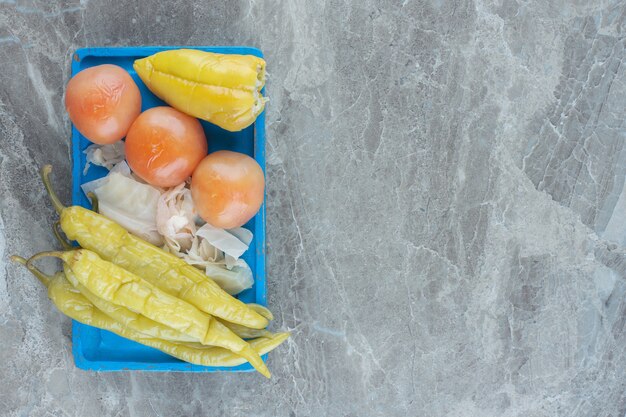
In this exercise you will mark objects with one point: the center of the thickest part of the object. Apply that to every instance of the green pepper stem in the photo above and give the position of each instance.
(94, 200)
(43, 278)
(47, 254)
(57, 233)
(45, 176)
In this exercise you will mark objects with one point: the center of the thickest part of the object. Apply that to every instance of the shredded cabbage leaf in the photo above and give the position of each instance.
(217, 251)
(223, 240)
(203, 255)
(233, 280)
(104, 155)
(175, 218)
(128, 202)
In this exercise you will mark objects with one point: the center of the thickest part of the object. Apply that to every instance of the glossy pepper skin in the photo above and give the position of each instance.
(262, 310)
(222, 89)
(128, 318)
(75, 305)
(149, 327)
(246, 332)
(169, 273)
(119, 286)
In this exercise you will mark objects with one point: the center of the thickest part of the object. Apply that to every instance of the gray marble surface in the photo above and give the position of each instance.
(446, 212)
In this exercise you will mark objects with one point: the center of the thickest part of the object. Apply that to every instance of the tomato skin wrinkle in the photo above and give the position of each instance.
(156, 150)
(95, 103)
(163, 146)
(102, 102)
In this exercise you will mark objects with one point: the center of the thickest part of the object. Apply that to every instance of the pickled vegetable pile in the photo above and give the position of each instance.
(159, 259)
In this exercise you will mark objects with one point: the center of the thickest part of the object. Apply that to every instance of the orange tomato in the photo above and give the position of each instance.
(103, 102)
(227, 189)
(164, 146)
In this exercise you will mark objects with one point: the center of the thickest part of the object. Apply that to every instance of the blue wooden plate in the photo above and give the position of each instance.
(100, 350)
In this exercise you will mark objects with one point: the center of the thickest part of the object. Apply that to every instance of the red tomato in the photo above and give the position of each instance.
(103, 102)
(227, 189)
(164, 146)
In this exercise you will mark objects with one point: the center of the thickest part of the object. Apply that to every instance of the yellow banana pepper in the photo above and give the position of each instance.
(223, 89)
(76, 306)
(119, 286)
(137, 322)
(127, 317)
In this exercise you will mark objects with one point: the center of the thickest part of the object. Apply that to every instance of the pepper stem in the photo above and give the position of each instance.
(53, 253)
(43, 278)
(45, 176)
(57, 233)
(94, 200)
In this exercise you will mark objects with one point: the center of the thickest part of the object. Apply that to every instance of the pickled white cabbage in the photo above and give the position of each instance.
(216, 252)
(209, 258)
(104, 155)
(128, 202)
(175, 218)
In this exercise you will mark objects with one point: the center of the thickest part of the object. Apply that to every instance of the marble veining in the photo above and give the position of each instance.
(446, 206)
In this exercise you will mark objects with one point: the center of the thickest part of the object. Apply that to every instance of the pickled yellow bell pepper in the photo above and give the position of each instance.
(76, 306)
(222, 89)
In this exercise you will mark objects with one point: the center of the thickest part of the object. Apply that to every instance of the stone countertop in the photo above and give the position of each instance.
(446, 209)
